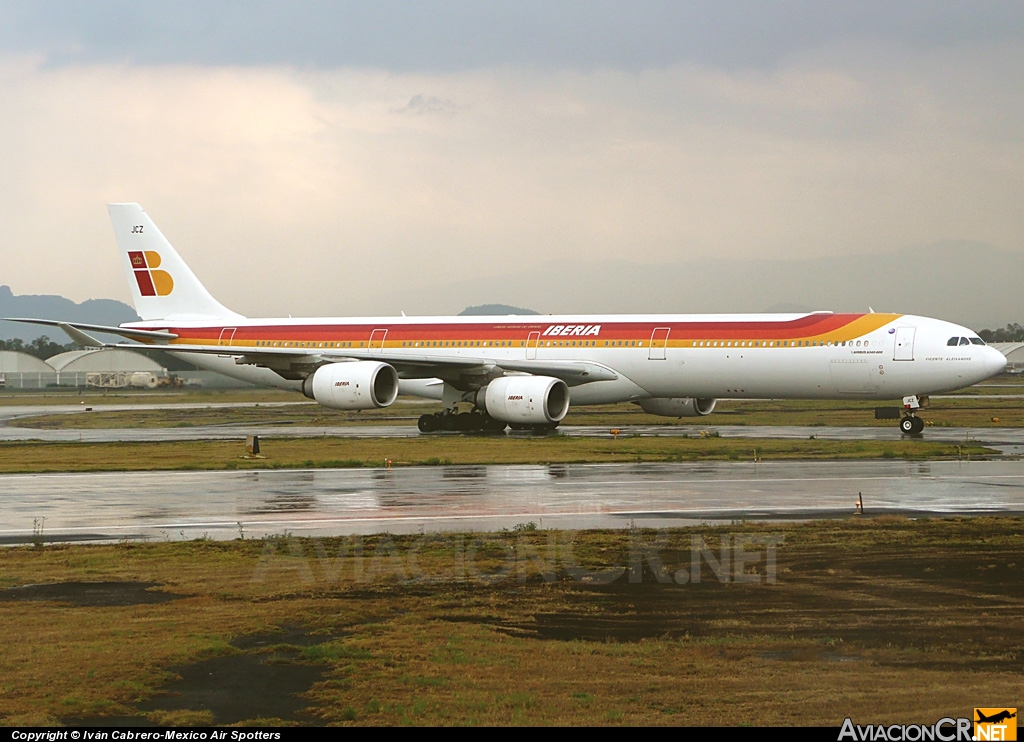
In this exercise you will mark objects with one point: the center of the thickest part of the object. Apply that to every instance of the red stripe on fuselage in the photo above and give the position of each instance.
(801, 327)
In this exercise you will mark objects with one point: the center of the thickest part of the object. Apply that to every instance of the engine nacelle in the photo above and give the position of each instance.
(532, 400)
(678, 406)
(355, 385)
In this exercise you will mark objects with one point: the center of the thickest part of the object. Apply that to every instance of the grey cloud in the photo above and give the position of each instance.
(422, 105)
(471, 34)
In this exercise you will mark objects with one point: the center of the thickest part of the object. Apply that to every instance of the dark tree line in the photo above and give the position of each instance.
(42, 347)
(1012, 333)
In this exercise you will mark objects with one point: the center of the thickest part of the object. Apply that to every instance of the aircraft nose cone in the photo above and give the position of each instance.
(995, 362)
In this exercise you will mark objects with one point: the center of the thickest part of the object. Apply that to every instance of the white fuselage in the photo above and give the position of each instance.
(796, 356)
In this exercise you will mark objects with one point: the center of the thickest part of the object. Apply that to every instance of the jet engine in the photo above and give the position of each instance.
(677, 406)
(530, 400)
(354, 385)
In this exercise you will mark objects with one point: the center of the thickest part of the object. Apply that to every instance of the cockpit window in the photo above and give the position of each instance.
(953, 341)
(977, 341)
(964, 341)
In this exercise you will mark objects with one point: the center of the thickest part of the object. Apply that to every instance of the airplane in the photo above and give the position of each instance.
(524, 371)
(995, 718)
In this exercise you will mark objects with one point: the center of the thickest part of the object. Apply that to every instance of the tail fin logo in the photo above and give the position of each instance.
(152, 282)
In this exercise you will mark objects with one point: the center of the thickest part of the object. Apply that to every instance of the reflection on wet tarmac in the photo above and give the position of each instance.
(174, 505)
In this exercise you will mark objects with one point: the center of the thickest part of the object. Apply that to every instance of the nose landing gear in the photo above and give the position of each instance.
(910, 423)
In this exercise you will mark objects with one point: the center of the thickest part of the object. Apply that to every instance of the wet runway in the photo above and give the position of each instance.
(224, 505)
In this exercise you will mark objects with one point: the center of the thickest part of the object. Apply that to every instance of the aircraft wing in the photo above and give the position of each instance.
(420, 366)
(77, 331)
(295, 363)
(572, 373)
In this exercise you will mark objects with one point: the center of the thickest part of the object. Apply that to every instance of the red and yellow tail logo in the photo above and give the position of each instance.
(995, 724)
(151, 281)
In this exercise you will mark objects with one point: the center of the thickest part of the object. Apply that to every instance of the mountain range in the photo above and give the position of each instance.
(47, 306)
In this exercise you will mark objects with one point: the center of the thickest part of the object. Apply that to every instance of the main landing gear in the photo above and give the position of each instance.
(465, 422)
(476, 421)
(473, 422)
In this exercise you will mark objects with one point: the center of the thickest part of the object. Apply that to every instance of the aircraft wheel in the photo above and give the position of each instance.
(427, 423)
(908, 425)
(918, 425)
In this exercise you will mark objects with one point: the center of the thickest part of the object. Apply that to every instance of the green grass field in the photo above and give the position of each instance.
(882, 620)
(452, 449)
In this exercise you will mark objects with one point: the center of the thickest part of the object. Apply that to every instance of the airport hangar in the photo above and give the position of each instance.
(109, 368)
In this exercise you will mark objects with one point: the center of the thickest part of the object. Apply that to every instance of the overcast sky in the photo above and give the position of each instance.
(362, 158)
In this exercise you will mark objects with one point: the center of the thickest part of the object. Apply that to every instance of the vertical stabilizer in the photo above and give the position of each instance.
(162, 286)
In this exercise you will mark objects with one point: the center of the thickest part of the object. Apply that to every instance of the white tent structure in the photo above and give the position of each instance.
(110, 368)
(24, 371)
(1014, 353)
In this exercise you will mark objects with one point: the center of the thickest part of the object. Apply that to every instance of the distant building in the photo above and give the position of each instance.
(1014, 353)
(22, 371)
(108, 368)
(99, 367)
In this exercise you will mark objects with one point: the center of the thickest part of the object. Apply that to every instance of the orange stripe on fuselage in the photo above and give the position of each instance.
(815, 327)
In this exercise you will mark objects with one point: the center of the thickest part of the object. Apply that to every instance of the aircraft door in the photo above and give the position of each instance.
(226, 336)
(659, 341)
(904, 348)
(532, 341)
(377, 339)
